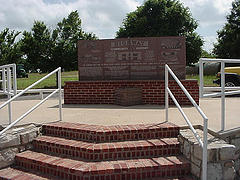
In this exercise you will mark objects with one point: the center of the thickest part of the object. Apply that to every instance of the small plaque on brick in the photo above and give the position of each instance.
(128, 96)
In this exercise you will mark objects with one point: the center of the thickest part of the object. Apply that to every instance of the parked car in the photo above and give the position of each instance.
(232, 77)
(21, 73)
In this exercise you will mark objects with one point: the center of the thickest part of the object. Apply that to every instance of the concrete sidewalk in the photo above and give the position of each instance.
(116, 115)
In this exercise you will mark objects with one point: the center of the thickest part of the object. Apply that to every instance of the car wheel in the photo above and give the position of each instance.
(229, 84)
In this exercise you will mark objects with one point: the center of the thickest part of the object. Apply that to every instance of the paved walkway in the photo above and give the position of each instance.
(115, 115)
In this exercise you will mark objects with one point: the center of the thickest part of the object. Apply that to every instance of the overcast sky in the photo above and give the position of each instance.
(103, 17)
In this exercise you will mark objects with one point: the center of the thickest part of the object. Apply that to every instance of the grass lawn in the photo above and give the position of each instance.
(208, 80)
(50, 82)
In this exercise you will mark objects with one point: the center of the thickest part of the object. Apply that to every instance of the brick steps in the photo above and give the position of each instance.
(107, 151)
(98, 134)
(16, 174)
(90, 152)
(65, 168)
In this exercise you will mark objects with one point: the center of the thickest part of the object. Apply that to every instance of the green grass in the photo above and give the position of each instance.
(73, 76)
(50, 82)
(208, 80)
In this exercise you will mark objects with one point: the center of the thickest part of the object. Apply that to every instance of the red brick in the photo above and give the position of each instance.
(81, 93)
(130, 167)
(93, 133)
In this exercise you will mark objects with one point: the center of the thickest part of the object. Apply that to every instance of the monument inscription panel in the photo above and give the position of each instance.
(131, 58)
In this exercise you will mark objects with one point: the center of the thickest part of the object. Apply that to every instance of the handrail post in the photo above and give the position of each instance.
(222, 96)
(60, 93)
(41, 95)
(4, 80)
(166, 93)
(201, 78)
(14, 79)
(205, 144)
(9, 83)
(9, 87)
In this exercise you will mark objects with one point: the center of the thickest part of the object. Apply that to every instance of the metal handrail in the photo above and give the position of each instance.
(7, 65)
(219, 88)
(205, 126)
(220, 60)
(42, 101)
(40, 91)
(7, 84)
(223, 88)
(7, 89)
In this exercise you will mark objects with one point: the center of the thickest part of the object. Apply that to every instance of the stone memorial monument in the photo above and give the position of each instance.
(131, 58)
(128, 71)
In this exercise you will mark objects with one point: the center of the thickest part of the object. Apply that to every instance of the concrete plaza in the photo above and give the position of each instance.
(117, 115)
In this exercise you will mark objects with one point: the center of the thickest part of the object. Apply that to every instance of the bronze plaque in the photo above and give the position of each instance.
(131, 58)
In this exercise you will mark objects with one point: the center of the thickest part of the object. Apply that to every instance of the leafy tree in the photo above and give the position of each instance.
(9, 50)
(164, 18)
(206, 54)
(65, 36)
(37, 45)
(47, 50)
(228, 40)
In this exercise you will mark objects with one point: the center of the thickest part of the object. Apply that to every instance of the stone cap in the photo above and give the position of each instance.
(218, 149)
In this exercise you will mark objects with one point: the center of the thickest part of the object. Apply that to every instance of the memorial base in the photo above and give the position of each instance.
(104, 92)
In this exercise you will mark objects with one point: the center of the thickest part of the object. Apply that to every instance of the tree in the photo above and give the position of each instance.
(9, 50)
(65, 36)
(36, 46)
(46, 50)
(228, 40)
(164, 18)
(206, 54)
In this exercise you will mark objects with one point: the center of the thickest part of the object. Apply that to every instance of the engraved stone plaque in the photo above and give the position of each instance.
(131, 58)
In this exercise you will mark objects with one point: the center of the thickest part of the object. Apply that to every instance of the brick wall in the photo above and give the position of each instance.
(103, 92)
